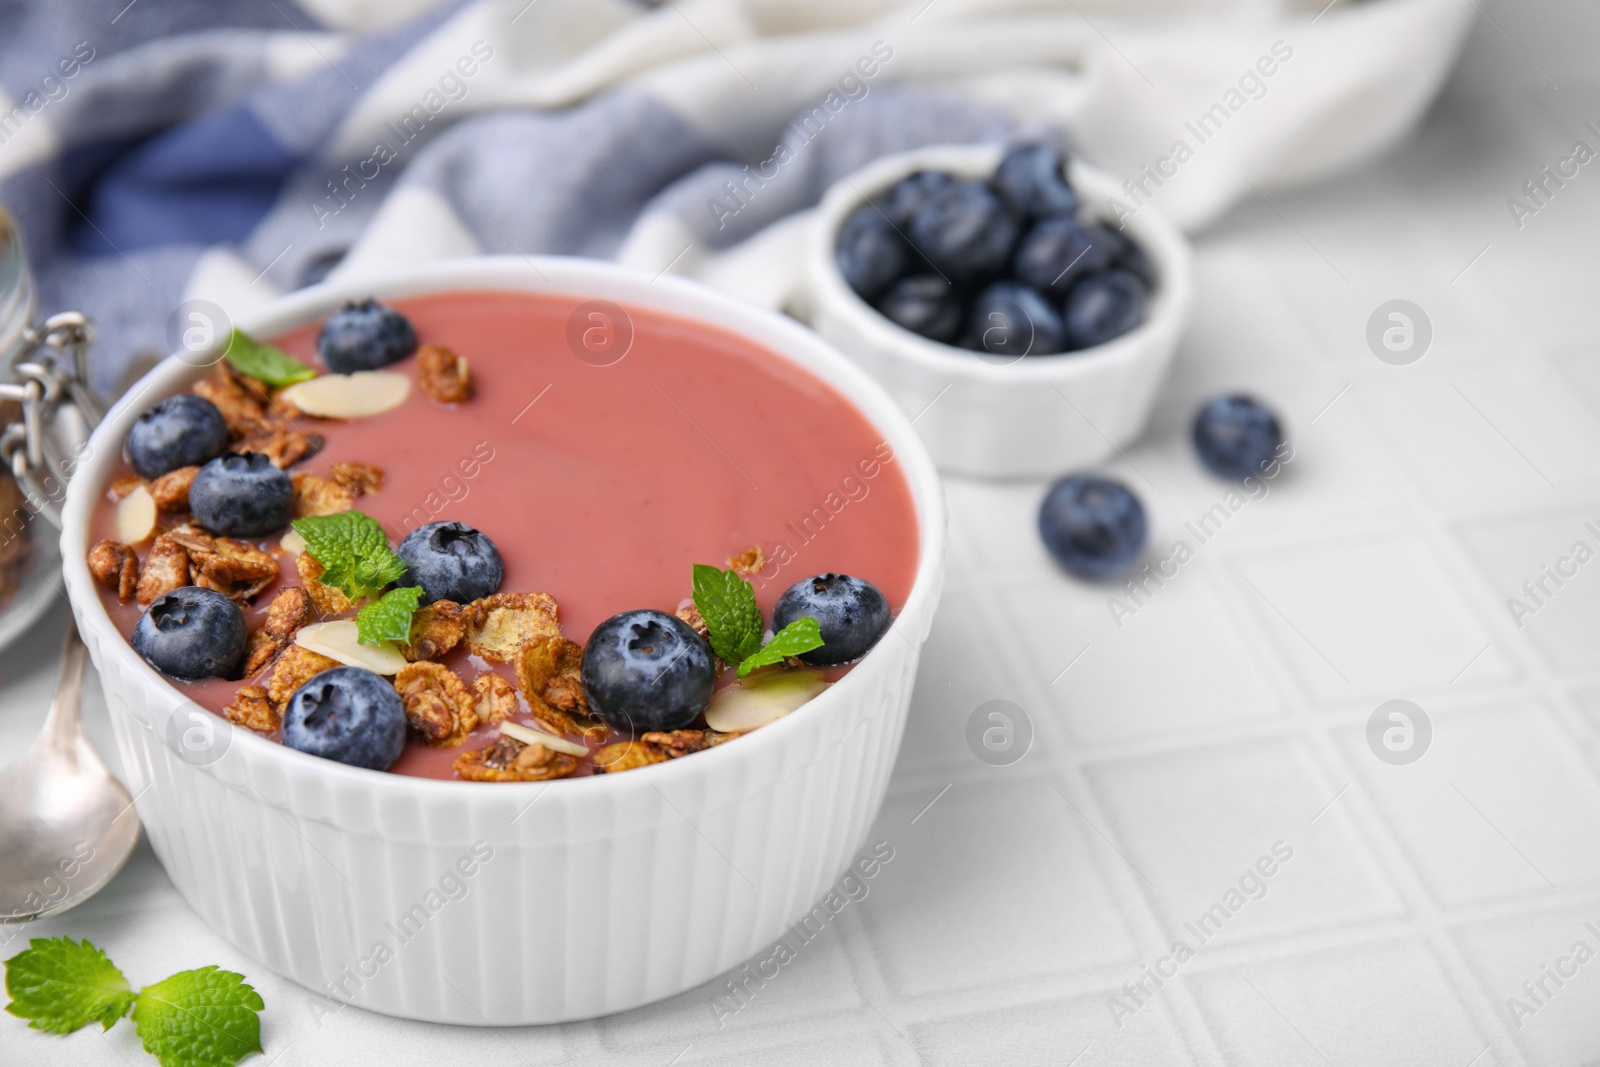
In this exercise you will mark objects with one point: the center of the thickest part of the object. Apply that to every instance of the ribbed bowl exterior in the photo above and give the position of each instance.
(1036, 416)
(515, 903)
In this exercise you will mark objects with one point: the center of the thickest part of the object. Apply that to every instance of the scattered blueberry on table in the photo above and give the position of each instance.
(365, 336)
(181, 431)
(450, 561)
(851, 614)
(647, 670)
(192, 633)
(1093, 527)
(1236, 436)
(241, 494)
(349, 715)
(1012, 265)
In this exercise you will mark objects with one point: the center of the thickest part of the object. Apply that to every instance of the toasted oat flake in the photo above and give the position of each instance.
(435, 629)
(295, 667)
(628, 756)
(361, 477)
(166, 567)
(443, 375)
(327, 599)
(252, 708)
(289, 610)
(493, 698)
(497, 626)
(549, 675)
(439, 708)
(115, 566)
(747, 563)
(235, 568)
(171, 490)
(316, 495)
(509, 760)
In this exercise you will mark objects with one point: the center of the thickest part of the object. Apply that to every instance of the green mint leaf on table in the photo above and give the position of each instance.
(269, 364)
(727, 603)
(59, 985)
(389, 617)
(354, 552)
(201, 1018)
(799, 636)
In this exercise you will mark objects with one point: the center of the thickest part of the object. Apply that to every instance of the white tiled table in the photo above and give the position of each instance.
(1225, 715)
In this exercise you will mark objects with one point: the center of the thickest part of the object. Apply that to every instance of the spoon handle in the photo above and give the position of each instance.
(62, 727)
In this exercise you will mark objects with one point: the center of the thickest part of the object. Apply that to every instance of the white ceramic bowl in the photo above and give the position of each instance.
(1036, 416)
(585, 896)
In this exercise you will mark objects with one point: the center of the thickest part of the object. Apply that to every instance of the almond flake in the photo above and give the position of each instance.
(349, 396)
(529, 736)
(339, 640)
(136, 516)
(761, 698)
(292, 543)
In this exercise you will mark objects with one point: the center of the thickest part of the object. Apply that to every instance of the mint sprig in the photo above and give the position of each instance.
(354, 553)
(799, 636)
(201, 1018)
(727, 603)
(389, 617)
(271, 365)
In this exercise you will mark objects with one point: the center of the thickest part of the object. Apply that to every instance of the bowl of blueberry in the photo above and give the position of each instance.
(998, 296)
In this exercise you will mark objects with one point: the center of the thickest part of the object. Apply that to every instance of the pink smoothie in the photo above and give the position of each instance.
(601, 485)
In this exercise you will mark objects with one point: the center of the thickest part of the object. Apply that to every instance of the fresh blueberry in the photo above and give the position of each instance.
(870, 252)
(1130, 257)
(964, 230)
(905, 197)
(1103, 306)
(1012, 319)
(1058, 251)
(1092, 526)
(1236, 436)
(451, 562)
(1032, 179)
(181, 431)
(647, 670)
(347, 714)
(925, 304)
(365, 336)
(192, 633)
(851, 613)
(241, 494)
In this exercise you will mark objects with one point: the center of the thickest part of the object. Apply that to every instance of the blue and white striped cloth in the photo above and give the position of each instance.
(155, 151)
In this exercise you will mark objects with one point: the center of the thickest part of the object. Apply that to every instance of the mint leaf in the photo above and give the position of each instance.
(354, 552)
(799, 636)
(728, 605)
(269, 364)
(59, 985)
(201, 1018)
(389, 617)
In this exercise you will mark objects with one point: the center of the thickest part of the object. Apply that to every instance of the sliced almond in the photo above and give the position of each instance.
(349, 396)
(292, 543)
(529, 736)
(339, 640)
(136, 516)
(763, 697)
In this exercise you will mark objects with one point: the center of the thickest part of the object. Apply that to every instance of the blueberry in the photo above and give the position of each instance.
(964, 230)
(870, 252)
(1058, 251)
(647, 670)
(925, 304)
(1032, 179)
(1012, 319)
(347, 714)
(241, 494)
(851, 613)
(1236, 436)
(1092, 526)
(192, 633)
(451, 562)
(181, 431)
(905, 197)
(1130, 257)
(1102, 307)
(365, 336)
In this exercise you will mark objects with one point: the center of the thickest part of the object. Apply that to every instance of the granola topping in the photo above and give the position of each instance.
(443, 375)
(439, 707)
(497, 626)
(509, 760)
(115, 566)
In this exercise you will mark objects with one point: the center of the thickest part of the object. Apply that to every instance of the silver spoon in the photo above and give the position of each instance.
(66, 825)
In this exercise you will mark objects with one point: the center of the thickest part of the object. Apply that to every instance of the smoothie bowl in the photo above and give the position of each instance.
(506, 641)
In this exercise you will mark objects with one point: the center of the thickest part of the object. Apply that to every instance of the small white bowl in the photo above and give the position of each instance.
(1037, 416)
(511, 903)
